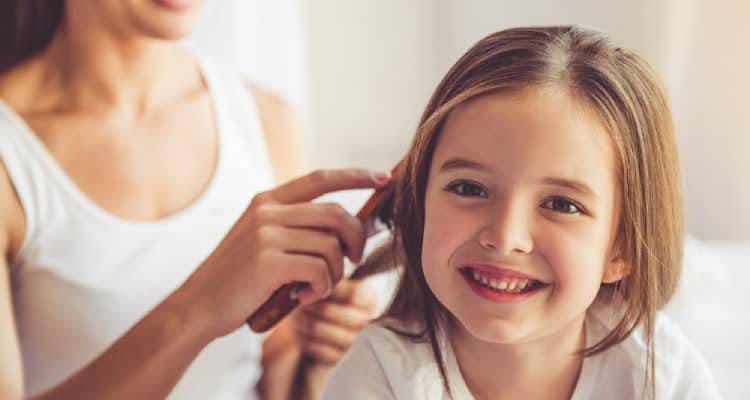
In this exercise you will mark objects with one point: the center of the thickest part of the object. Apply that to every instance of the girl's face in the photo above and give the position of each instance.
(520, 215)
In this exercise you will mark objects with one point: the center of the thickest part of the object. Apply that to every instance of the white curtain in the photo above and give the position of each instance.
(262, 39)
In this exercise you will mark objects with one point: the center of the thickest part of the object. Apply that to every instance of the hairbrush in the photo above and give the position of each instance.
(374, 215)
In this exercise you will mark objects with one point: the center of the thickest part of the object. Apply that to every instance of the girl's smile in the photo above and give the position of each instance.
(499, 284)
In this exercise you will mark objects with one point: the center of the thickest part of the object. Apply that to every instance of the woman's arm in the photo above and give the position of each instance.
(284, 135)
(11, 371)
(250, 263)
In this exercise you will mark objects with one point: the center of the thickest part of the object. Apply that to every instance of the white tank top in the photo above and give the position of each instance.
(84, 276)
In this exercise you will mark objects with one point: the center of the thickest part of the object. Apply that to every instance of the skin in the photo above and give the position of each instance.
(127, 116)
(496, 207)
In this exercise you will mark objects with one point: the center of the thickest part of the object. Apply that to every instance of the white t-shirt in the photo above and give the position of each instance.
(384, 365)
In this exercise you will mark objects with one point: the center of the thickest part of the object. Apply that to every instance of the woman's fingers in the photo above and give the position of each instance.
(318, 183)
(313, 270)
(324, 341)
(351, 304)
(323, 353)
(314, 243)
(347, 316)
(356, 293)
(325, 332)
(321, 216)
(276, 241)
(326, 329)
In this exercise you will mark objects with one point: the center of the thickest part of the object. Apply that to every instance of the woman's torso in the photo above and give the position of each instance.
(91, 264)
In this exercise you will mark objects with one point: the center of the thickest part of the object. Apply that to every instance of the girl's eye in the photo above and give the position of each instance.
(467, 189)
(562, 206)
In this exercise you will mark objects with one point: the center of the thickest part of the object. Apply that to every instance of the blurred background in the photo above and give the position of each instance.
(360, 72)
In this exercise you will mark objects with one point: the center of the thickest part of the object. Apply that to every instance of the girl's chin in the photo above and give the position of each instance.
(494, 332)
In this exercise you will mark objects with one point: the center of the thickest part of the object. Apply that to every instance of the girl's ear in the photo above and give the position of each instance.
(616, 269)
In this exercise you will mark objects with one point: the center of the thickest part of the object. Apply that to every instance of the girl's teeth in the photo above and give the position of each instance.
(511, 285)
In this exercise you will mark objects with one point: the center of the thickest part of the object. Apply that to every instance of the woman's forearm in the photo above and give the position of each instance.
(145, 363)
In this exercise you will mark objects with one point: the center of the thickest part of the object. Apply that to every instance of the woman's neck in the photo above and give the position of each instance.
(87, 67)
(547, 368)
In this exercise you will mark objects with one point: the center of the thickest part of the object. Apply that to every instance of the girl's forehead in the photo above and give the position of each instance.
(535, 125)
(531, 131)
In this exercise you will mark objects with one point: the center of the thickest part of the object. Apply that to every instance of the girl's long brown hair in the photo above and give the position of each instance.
(629, 100)
(26, 27)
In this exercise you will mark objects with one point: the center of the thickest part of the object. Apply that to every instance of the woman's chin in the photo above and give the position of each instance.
(178, 5)
(170, 29)
(165, 23)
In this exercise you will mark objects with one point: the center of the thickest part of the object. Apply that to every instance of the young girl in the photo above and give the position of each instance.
(540, 228)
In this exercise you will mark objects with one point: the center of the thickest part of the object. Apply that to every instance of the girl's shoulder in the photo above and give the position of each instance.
(399, 346)
(681, 371)
(386, 361)
(669, 340)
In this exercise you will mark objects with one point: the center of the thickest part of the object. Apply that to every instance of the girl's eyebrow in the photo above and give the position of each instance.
(462, 163)
(572, 184)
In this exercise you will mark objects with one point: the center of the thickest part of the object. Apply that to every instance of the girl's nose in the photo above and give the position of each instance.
(507, 232)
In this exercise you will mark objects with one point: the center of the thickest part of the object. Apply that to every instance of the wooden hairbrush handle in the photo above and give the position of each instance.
(279, 305)
(284, 299)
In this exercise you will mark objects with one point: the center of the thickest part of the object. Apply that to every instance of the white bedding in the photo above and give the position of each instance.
(712, 307)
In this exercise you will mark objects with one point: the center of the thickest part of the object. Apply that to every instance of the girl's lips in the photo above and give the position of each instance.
(501, 296)
(499, 273)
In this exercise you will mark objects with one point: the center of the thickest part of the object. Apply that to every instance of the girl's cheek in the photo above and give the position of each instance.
(437, 235)
(444, 232)
(575, 259)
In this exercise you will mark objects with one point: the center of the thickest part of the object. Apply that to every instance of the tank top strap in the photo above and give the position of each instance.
(235, 101)
(26, 167)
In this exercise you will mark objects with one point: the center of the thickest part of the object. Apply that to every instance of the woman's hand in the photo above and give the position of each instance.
(280, 238)
(325, 329)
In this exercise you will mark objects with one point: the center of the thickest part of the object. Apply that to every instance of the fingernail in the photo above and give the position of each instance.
(329, 290)
(381, 177)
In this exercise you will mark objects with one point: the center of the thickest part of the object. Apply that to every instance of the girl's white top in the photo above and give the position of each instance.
(384, 365)
(84, 276)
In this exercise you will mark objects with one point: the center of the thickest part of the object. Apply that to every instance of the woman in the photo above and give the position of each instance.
(131, 252)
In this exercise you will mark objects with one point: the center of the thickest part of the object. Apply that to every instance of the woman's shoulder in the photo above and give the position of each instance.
(283, 132)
